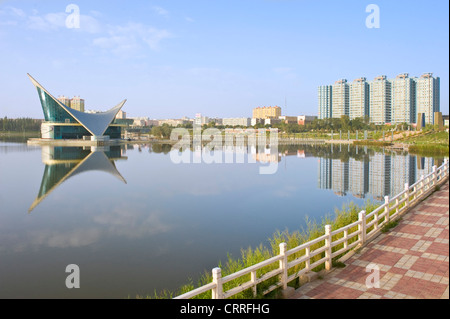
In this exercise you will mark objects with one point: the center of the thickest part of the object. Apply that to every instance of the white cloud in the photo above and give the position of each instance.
(18, 12)
(89, 24)
(130, 38)
(48, 22)
(125, 40)
(161, 11)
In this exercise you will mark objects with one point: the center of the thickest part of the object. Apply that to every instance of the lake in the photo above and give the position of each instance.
(135, 222)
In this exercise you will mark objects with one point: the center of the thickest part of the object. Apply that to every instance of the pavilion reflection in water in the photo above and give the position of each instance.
(61, 163)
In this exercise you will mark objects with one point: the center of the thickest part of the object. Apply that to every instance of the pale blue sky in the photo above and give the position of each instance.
(174, 58)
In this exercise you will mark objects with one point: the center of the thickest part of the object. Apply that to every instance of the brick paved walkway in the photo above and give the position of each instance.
(412, 258)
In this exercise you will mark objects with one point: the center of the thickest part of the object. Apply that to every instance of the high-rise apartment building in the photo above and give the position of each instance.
(427, 96)
(64, 100)
(340, 99)
(395, 101)
(121, 115)
(267, 112)
(403, 99)
(77, 104)
(380, 100)
(324, 96)
(359, 98)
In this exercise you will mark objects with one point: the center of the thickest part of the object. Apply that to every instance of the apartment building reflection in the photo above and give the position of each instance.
(376, 176)
(380, 175)
(61, 163)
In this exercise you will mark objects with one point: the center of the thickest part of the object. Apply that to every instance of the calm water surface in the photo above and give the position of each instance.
(135, 222)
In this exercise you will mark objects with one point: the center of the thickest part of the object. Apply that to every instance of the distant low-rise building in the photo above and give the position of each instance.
(305, 119)
(173, 122)
(255, 121)
(200, 120)
(272, 121)
(445, 118)
(153, 122)
(236, 121)
(216, 120)
(288, 119)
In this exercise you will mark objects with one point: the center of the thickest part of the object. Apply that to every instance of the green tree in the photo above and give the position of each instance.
(156, 131)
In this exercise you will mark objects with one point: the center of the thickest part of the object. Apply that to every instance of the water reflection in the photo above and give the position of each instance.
(369, 173)
(61, 163)
(344, 169)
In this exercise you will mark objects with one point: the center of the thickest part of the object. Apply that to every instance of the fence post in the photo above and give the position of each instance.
(434, 175)
(444, 168)
(328, 247)
(386, 209)
(308, 261)
(407, 195)
(362, 226)
(217, 293)
(253, 279)
(422, 177)
(283, 265)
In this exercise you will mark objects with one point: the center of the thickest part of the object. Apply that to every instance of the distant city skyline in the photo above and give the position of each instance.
(176, 58)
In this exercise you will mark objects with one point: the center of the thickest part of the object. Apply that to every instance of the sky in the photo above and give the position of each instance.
(221, 58)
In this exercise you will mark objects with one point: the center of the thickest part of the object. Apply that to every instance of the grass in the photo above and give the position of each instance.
(21, 133)
(428, 143)
(338, 264)
(432, 143)
(251, 256)
(429, 150)
(433, 137)
(388, 226)
(372, 143)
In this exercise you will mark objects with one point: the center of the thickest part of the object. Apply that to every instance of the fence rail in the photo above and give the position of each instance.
(326, 247)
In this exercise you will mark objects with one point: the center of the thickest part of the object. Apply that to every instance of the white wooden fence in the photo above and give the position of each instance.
(304, 258)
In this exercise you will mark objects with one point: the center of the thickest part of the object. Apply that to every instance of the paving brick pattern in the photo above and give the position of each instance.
(411, 260)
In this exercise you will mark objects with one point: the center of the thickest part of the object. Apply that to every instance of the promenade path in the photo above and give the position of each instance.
(412, 258)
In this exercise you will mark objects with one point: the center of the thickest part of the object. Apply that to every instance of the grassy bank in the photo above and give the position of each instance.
(251, 256)
(433, 143)
(429, 150)
(17, 137)
(372, 143)
(21, 133)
